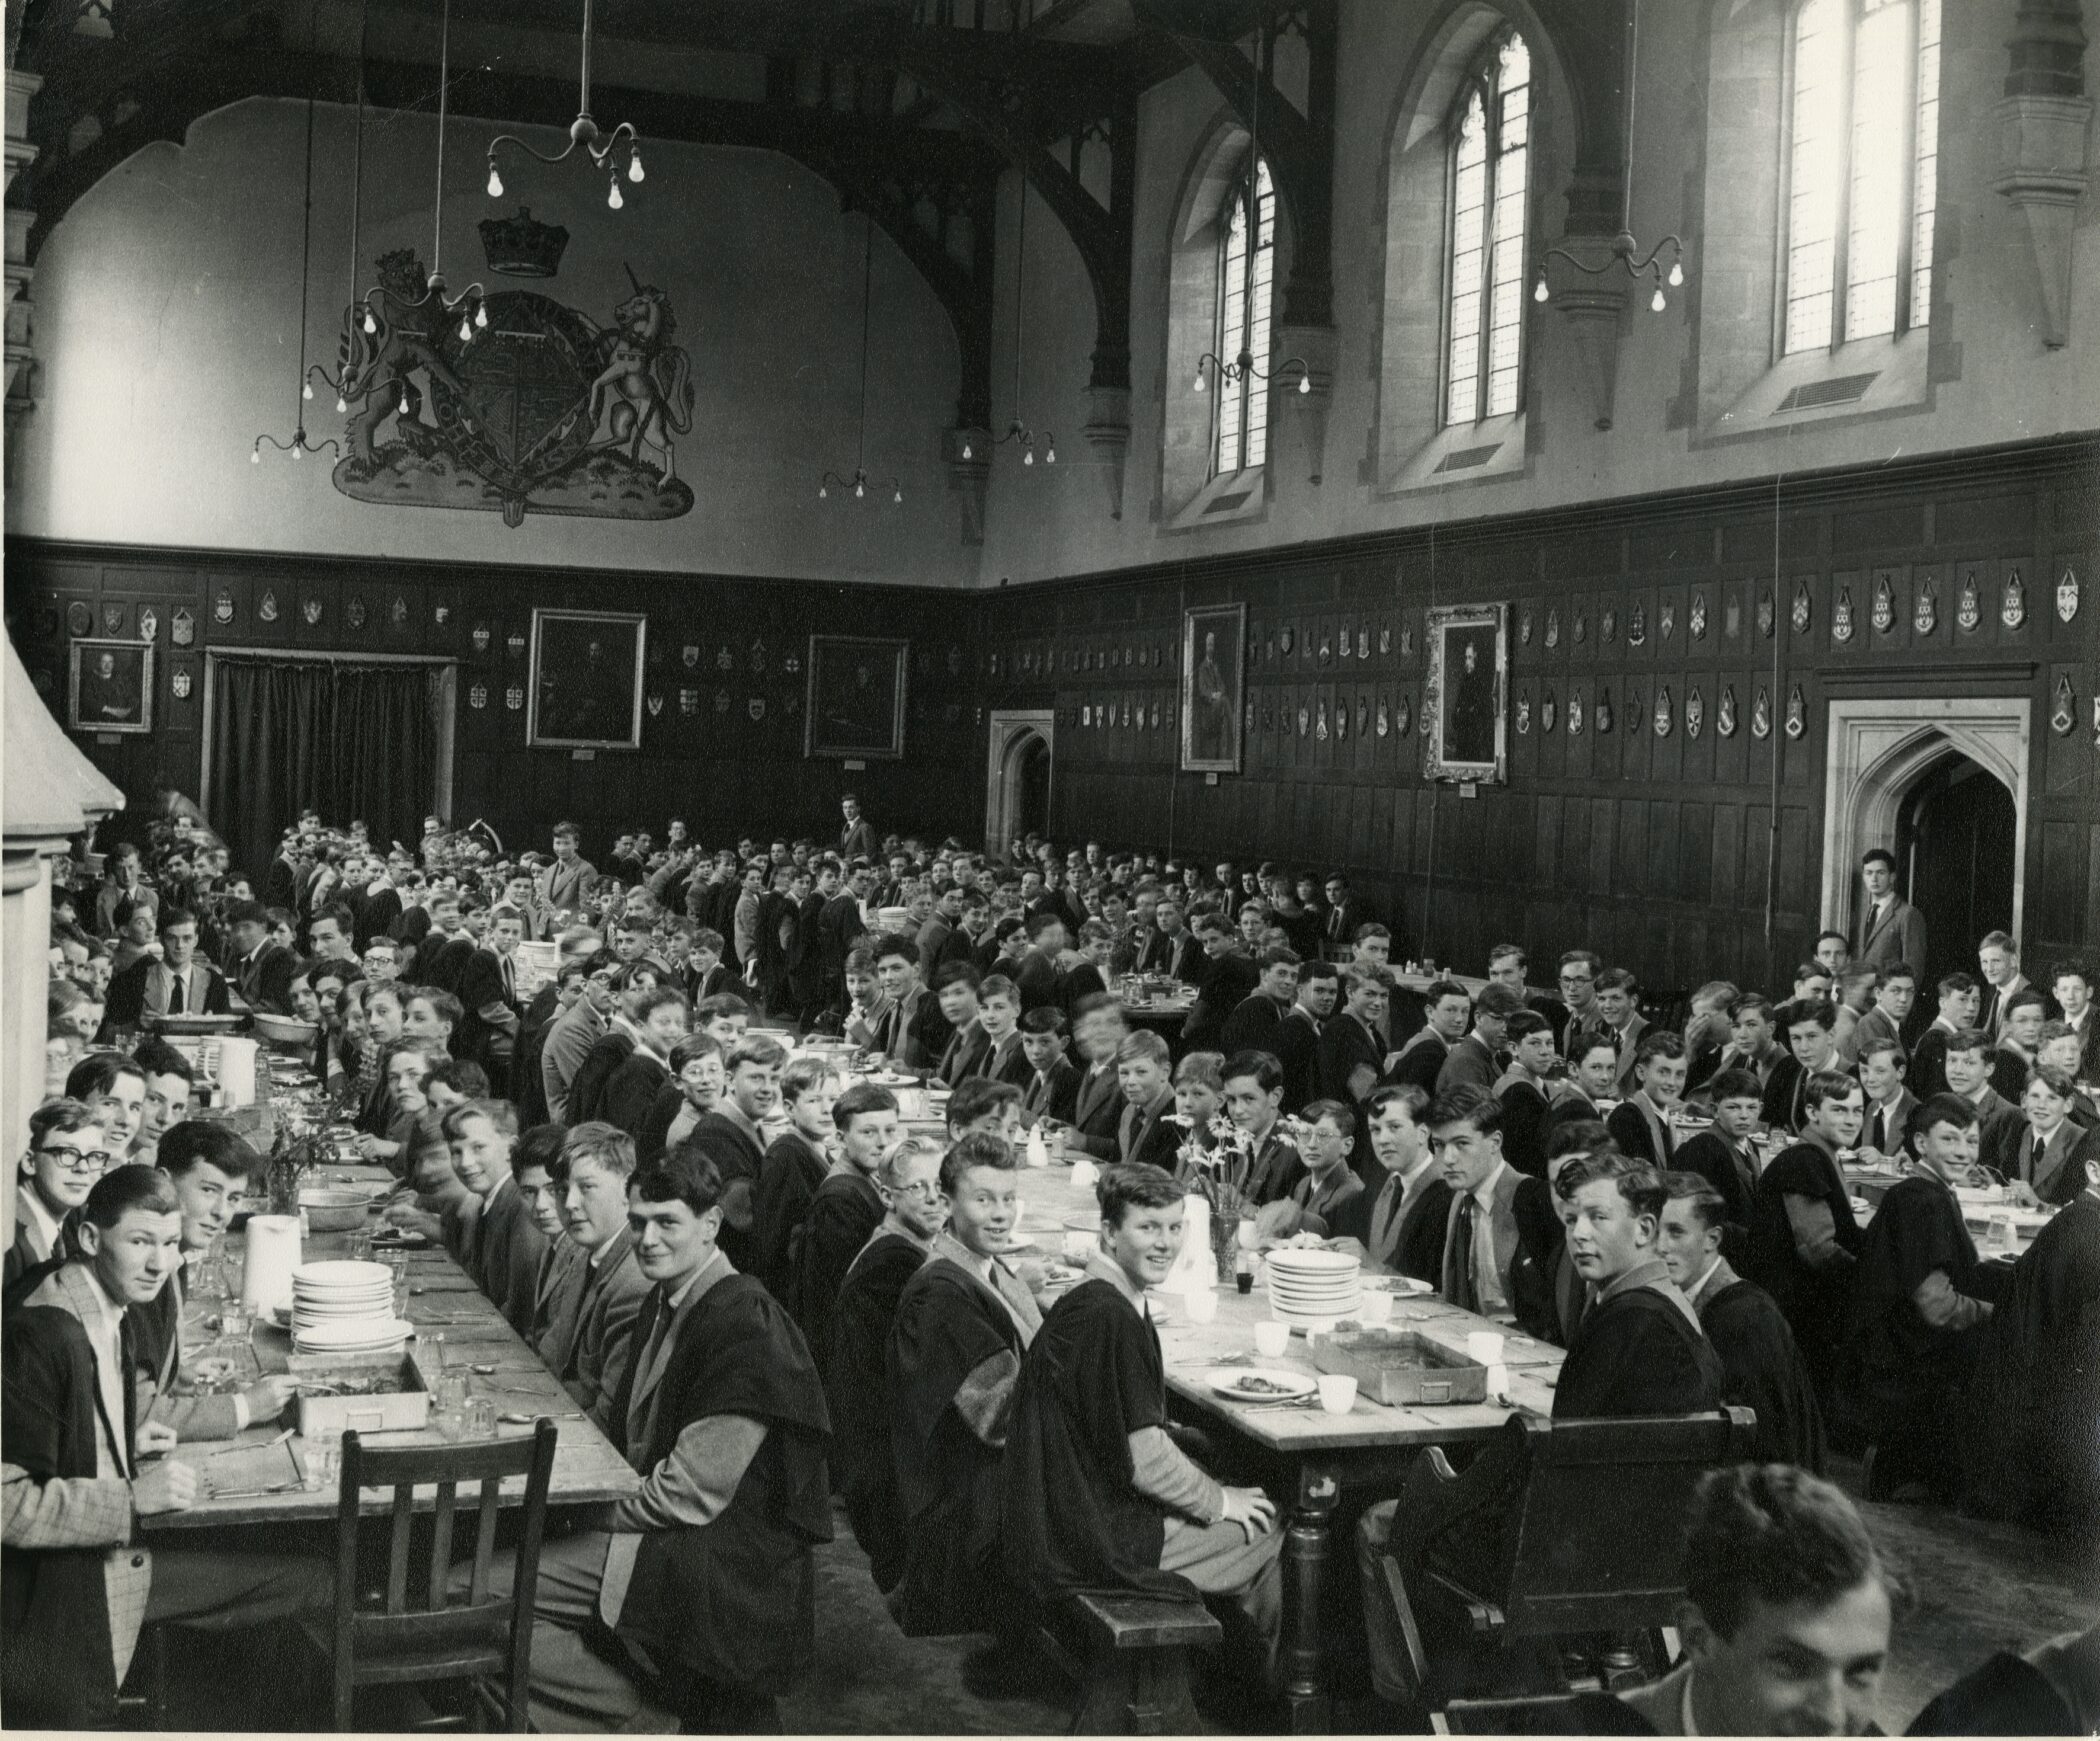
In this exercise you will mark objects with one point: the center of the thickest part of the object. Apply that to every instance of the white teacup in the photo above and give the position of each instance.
(1272, 1338)
(1484, 1347)
(1337, 1392)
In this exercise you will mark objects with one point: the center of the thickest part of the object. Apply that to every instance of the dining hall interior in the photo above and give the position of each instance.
(1027, 866)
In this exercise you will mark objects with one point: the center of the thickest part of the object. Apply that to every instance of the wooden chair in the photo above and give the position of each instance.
(1555, 1530)
(438, 1640)
(1130, 1656)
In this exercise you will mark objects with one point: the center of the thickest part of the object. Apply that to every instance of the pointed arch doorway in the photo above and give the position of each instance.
(1020, 760)
(1943, 784)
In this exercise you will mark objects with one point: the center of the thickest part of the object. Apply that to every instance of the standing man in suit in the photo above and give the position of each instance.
(857, 836)
(180, 983)
(1890, 929)
(1499, 1253)
(571, 878)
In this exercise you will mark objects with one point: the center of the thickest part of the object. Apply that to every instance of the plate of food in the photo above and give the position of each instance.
(1260, 1384)
(400, 1238)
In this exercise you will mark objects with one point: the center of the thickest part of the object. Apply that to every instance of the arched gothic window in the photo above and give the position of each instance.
(1246, 278)
(1484, 305)
(1863, 170)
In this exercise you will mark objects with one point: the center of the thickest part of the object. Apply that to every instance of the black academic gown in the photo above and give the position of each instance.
(1073, 1519)
(845, 1210)
(948, 1326)
(1816, 1301)
(1897, 1374)
(856, 1384)
(2032, 1444)
(787, 1180)
(1761, 1370)
(734, 1603)
(1637, 1354)
(740, 1161)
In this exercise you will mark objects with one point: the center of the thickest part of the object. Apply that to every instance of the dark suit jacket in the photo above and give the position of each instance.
(1097, 1113)
(1636, 1137)
(1898, 936)
(1295, 1040)
(631, 1090)
(587, 1089)
(1412, 1245)
(1052, 1094)
(1252, 1026)
(507, 1249)
(127, 992)
(264, 978)
(1036, 977)
(1143, 1134)
(967, 1052)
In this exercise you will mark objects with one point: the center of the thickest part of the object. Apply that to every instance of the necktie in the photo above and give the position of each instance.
(176, 990)
(1878, 1140)
(2035, 1153)
(1461, 1291)
(510, 980)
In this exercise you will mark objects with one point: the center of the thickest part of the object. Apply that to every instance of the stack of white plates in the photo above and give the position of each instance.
(1313, 1287)
(345, 1308)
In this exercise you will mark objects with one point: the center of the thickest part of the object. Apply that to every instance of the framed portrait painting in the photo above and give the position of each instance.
(1466, 705)
(1213, 682)
(110, 686)
(586, 687)
(855, 705)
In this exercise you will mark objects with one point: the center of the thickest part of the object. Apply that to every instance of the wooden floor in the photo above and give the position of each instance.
(1975, 1588)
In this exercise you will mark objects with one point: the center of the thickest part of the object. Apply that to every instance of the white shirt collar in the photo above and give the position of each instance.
(47, 1224)
(1484, 1192)
(1705, 1275)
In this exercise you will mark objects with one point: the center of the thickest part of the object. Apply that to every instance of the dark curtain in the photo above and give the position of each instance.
(346, 740)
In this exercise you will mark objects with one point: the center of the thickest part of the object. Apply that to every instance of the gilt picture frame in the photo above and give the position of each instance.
(585, 687)
(854, 706)
(109, 686)
(1466, 706)
(1213, 687)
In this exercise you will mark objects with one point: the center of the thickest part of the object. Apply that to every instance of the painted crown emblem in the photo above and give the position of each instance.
(522, 246)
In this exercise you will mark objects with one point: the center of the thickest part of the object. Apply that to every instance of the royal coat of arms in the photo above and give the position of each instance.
(541, 408)
(113, 619)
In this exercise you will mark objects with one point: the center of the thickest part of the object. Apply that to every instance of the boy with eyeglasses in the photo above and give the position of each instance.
(68, 1151)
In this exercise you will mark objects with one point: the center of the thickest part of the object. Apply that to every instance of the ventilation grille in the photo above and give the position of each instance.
(1225, 504)
(1466, 458)
(1841, 390)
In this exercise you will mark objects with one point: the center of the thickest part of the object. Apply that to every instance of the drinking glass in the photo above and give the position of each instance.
(235, 1324)
(360, 1250)
(449, 1394)
(319, 1463)
(480, 1421)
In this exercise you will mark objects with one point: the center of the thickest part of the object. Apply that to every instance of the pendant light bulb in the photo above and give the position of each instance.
(823, 494)
(341, 404)
(1304, 384)
(634, 165)
(613, 198)
(255, 454)
(860, 489)
(481, 314)
(306, 390)
(403, 406)
(897, 493)
(495, 181)
(1050, 454)
(466, 330)
(966, 450)
(1028, 456)
(299, 446)
(1676, 273)
(1539, 292)
(1658, 303)
(371, 325)
(1199, 383)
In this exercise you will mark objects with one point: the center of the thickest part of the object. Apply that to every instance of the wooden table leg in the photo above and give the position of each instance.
(1306, 1547)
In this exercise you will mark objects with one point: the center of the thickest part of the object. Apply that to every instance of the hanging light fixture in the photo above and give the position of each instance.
(299, 447)
(362, 373)
(1016, 430)
(583, 131)
(1243, 367)
(1624, 250)
(858, 482)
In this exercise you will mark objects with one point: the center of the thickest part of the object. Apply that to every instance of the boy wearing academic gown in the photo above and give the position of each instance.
(77, 1585)
(962, 1326)
(1639, 1349)
(1761, 1368)
(1804, 1243)
(733, 1138)
(706, 1576)
(2032, 1448)
(794, 1166)
(1097, 1495)
(857, 1384)
(1918, 1297)
(842, 1215)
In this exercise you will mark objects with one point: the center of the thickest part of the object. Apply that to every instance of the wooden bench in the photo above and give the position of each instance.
(1130, 1656)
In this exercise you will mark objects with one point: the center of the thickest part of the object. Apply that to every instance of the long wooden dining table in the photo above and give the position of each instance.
(443, 1301)
(1320, 1468)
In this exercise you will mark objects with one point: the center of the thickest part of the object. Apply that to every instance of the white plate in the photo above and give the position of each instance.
(1226, 1381)
(338, 1272)
(1310, 1262)
(370, 1333)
